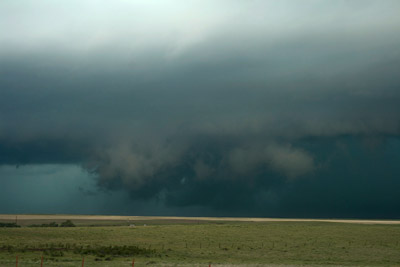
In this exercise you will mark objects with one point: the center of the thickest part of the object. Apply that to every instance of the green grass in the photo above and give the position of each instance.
(291, 243)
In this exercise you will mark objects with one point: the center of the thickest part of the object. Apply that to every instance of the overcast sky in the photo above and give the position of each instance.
(222, 108)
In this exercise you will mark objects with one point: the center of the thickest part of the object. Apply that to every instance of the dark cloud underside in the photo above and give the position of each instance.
(231, 108)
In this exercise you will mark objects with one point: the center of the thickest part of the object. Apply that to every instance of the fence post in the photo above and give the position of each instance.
(83, 261)
(133, 263)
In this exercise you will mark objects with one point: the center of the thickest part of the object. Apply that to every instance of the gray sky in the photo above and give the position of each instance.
(242, 108)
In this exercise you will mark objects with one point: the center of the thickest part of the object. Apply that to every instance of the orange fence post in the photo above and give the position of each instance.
(133, 263)
(83, 261)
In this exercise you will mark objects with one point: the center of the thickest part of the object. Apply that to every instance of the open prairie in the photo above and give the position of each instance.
(172, 241)
(25, 219)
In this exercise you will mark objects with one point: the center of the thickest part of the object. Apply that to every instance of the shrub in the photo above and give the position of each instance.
(9, 225)
(67, 223)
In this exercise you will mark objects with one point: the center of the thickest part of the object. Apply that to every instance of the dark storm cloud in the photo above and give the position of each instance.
(204, 103)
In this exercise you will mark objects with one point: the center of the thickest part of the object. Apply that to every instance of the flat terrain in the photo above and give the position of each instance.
(28, 219)
(171, 241)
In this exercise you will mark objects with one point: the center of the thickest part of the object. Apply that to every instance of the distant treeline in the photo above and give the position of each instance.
(9, 225)
(52, 224)
(67, 223)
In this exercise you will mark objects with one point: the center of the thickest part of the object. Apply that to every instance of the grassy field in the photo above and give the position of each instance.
(200, 243)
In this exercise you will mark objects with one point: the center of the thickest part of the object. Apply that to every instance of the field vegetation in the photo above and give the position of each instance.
(198, 244)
